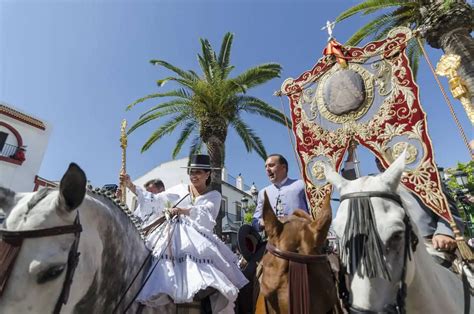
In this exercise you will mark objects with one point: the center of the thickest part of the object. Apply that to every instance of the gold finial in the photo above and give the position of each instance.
(448, 66)
(123, 145)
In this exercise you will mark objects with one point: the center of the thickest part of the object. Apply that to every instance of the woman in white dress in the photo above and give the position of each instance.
(188, 257)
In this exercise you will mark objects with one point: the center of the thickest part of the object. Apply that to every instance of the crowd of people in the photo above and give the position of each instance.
(189, 257)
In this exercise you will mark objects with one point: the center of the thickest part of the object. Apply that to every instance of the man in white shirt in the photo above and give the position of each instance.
(285, 194)
(152, 187)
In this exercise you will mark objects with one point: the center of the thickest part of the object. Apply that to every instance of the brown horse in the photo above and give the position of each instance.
(296, 275)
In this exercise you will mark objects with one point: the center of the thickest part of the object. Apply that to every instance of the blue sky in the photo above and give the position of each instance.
(77, 64)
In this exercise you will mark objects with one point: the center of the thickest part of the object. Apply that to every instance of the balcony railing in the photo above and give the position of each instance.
(8, 150)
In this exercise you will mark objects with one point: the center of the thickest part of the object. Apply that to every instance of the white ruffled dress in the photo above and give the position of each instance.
(187, 255)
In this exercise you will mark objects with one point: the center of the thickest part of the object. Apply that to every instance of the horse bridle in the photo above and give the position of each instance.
(411, 241)
(298, 269)
(10, 246)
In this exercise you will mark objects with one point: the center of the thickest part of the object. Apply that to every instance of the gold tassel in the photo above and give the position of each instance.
(464, 248)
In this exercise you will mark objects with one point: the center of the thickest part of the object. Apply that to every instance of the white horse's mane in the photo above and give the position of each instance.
(111, 251)
(431, 288)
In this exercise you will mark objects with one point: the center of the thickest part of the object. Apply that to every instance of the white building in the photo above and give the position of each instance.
(23, 142)
(234, 192)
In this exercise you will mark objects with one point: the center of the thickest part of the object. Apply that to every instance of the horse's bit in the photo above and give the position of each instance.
(10, 246)
(411, 241)
(298, 268)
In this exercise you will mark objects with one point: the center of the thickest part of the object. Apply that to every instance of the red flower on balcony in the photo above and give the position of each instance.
(19, 155)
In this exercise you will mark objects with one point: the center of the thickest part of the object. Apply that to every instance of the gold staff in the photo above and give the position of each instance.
(448, 66)
(123, 145)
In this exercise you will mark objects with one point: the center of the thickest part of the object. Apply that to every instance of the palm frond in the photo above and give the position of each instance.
(196, 146)
(371, 6)
(184, 74)
(183, 137)
(166, 128)
(194, 74)
(153, 116)
(174, 93)
(248, 136)
(414, 53)
(205, 67)
(257, 75)
(183, 82)
(178, 104)
(209, 60)
(254, 105)
(374, 26)
(224, 54)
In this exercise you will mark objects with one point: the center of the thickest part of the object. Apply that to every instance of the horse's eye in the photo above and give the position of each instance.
(394, 241)
(50, 274)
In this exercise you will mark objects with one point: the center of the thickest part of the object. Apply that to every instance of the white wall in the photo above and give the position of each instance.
(20, 178)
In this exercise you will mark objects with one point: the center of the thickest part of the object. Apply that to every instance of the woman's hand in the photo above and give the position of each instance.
(179, 211)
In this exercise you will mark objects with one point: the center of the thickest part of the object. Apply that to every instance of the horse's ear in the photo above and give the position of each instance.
(394, 173)
(273, 226)
(320, 226)
(72, 188)
(7, 199)
(333, 177)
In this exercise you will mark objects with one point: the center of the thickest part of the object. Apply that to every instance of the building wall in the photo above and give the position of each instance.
(21, 177)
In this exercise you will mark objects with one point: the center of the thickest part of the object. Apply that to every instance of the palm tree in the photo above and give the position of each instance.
(444, 24)
(204, 106)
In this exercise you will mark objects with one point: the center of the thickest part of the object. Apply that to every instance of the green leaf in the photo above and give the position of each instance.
(196, 146)
(153, 116)
(254, 105)
(184, 74)
(166, 128)
(177, 93)
(384, 21)
(414, 53)
(370, 6)
(257, 75)
(183, 137)
(177, 104)
(248, 136)
(224, 54)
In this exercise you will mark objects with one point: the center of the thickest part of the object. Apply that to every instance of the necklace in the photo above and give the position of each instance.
(194, 193)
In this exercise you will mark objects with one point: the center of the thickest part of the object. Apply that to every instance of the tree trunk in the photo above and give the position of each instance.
(216, 150)
(213, 133)
(460, 42)
(449, 29)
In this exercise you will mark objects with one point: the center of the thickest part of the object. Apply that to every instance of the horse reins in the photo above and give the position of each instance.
(10, 246)
(298, 290)
(411, 241)
(149, 229)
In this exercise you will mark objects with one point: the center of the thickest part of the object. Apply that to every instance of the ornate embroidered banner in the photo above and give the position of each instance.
(371, 99)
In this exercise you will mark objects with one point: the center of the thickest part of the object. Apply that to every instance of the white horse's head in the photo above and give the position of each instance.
(377, 256)
(38, 272)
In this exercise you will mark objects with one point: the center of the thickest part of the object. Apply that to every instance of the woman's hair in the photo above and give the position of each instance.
(208, 181)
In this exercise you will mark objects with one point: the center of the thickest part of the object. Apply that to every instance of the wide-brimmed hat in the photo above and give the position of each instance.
(200, 162)
(248, 241)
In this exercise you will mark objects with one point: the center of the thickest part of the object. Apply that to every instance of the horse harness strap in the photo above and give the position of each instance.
(411, 241)
(10, 245)
(298, 290)
(392, 196)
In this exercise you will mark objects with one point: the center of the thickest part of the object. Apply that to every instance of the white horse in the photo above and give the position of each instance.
(111, 250)
(380, 262)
